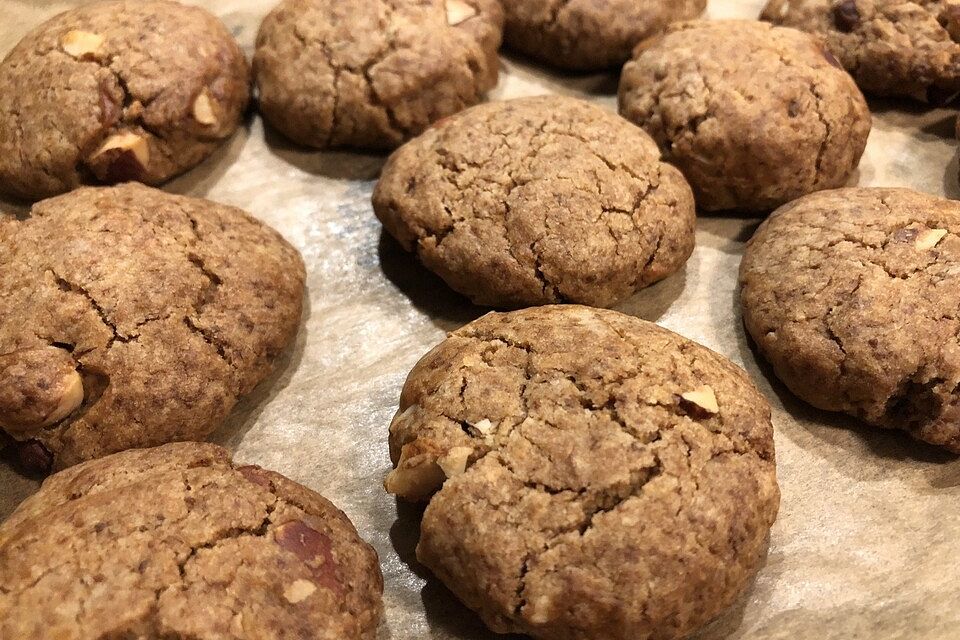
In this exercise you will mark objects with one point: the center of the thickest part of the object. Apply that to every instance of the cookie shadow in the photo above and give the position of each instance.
(936, 121)
(533, 73)
(331, 163)
(650, 303)
(405, 534)
(199, 180)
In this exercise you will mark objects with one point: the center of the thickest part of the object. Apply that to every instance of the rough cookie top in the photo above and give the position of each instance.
(587, 35)
(596, 476)
(853, 296)
(177, 542)
(373, 73)
(133, 317)
(116, 91)
(538, 200)
(892, 47)
(754, 115)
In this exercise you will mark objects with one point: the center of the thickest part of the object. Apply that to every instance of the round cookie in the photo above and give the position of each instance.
(852, 295)
(596, 476)
(117, 91)
(586, 35)
(538, 200)
(373, 73)
(754, 115)
(891, 47)
(132, 317)
(178, 542)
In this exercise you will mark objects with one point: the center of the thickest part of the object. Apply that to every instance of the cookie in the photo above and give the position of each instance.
(585, 35)
(132, 318)
(589, 474)
(852, 295)
(754, 115)
(891, 47)
(538, 200)
(373, 73)
(117, 91)
(179, 542)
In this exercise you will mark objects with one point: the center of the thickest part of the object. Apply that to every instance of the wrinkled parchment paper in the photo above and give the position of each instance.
(867, 544)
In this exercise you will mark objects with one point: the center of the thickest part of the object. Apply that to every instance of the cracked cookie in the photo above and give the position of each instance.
(891, 47)
(179, 542)
(754, 115)
(538, 200)
(117, 91)
(589, 474)
(586, 35)
(852, 295)
(132, 317)
(373, 73)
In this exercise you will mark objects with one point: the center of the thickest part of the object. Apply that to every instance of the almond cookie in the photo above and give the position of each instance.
(589, 475)
(538, 200)
(852, 295)
(586, 35)
(373, 73)
(754, 115)
(178, 542)
(132, 317)
(117, 91)
(892, 47)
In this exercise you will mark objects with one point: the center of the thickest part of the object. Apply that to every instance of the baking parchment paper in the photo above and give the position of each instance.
(867, 544)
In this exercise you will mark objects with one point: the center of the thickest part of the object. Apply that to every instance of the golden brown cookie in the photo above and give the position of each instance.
(178, 542)
(538, 200)
(853, 295)
(586, 35)
(132, 317)
(595, 476)
(891, 47)
(373, 73)
(754, 115)
(115, 91)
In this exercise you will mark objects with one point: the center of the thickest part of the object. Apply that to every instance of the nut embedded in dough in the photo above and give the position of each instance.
(299, 590)
(455, 462)
(929, 238)
(703, 397)
(38, 387)
(81, 44)
(203, 109)
(126, 141)
(458, 11)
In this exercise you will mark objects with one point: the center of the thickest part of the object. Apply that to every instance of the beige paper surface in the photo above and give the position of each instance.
(867, 544)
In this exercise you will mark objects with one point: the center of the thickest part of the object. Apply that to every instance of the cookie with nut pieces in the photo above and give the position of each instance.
(180, 542)
(115, 91)
(852, 295)
(589, 474)
(132, 317)
(373, 73)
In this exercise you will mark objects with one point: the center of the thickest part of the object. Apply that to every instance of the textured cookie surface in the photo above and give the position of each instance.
(753, 115)
(177, 542)
(538, 200)
(597, 476)
(853, 296)
(373, 73)
(892, 47)
(588, 35)
(115, 91)
(165, 309)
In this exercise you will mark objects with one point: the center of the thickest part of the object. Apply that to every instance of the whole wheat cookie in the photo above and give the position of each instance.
(373, 73)
(586, 35)
(891, 47)
(589, 475)
(178, 542)
(132, 317)
(116, 91)
(852, 295)
(754, 115)
(538, 200)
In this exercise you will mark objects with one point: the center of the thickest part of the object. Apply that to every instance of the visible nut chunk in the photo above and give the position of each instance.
(455, 462)
(299, 591)
(929, 238)
(127, 141)
(81, 44)
(704, 398)
(459, 11)
(123, 156)
(203, 109)
(314, 549)
(846, 15)
(415, 481)
(38, 387)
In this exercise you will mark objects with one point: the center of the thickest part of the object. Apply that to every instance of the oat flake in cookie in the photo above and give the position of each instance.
(116, 91)
(852, 295)
(892, 47)
(754, 115)
(132, 317)
(373, 73)
(595, 476)
(538, 200)
(179, 542)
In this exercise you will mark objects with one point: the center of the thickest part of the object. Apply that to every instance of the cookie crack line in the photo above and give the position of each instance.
(71, 287)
